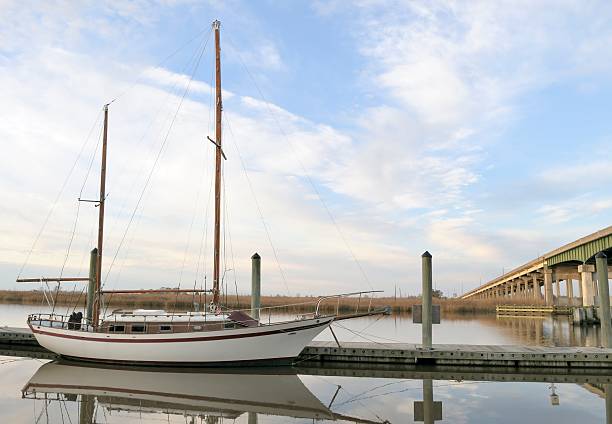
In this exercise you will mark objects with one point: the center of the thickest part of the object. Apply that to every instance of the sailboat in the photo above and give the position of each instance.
(157, 337)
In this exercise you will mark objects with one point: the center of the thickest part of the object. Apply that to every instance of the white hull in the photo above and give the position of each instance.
(268, 342)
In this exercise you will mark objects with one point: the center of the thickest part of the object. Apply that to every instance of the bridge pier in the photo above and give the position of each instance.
(536, 287)
(586, 281)
(570, 291)
(557, 285)
(548, 293)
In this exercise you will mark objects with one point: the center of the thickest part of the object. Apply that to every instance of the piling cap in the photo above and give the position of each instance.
(600, 255)
(256, 256)
(426, 255)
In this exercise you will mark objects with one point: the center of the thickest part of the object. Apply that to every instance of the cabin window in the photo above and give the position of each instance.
(197, 327)
(165, 328)
(138, 328)
(116, 328)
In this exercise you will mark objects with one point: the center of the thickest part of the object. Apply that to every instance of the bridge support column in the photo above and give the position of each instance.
(548, 293)
(557, 284)
(586, 281)
(604, 299)
(536, 287)
(570, 291)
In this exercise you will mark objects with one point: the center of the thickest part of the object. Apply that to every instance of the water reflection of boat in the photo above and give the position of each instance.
(206, 393)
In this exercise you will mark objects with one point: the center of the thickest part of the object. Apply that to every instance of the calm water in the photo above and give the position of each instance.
(36, 391)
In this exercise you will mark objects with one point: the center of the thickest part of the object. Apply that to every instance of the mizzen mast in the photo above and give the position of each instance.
(97, 299)
(219, 152)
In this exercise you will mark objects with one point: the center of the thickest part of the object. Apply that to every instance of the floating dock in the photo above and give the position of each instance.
(399, 354)
(530, 310)
(393, 356)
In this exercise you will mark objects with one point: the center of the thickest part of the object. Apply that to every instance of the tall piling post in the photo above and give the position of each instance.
(601, 262)
(427, 299)
(255, 285)
(91, 287)
(428, 403)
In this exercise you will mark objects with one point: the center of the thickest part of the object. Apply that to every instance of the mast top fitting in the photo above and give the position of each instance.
(216, 24)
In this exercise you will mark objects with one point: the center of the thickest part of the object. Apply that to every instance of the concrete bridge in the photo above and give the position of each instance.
(541, 278)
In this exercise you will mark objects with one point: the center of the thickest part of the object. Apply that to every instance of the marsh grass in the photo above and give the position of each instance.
(304, 304)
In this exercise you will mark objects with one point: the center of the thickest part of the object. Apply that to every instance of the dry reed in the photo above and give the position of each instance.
(171, 302)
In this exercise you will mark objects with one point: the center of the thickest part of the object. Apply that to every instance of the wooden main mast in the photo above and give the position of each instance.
(219, 107)
(98, 285)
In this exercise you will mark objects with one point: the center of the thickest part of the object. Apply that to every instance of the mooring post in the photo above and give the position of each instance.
(255, 285)
(428, 407)
(91, 287)
(87, 409)
(427, 299)
(608, 390)
(601, 262)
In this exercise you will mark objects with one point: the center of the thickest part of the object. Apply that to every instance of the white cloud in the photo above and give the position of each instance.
(443, 78)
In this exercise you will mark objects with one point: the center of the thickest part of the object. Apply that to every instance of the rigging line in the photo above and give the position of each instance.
(157, 158)
(86, 252)
(370, 390)
(261, 216)
(54, 204)
(171, 91)
(223, 282)
(407, 389)
(91, 161)
(310, 181)
(170, 56)
(362, 331)
(66, 408)
(74, 227)
(369, 334)
(76, 220)
(364, 337)
(188, 245)
(193, 217)
(204, 238)
(229, 236)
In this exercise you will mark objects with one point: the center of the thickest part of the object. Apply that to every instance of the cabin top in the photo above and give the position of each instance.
(158, 315)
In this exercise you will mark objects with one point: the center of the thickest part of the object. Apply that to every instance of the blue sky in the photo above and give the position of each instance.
(476, 130)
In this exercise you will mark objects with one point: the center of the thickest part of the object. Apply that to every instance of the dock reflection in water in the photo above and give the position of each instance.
(203, 396)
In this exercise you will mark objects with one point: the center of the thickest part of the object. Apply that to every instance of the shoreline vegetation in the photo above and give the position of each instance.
(290, 304)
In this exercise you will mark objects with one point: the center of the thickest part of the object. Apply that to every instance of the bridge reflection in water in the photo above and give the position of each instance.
(548, 331)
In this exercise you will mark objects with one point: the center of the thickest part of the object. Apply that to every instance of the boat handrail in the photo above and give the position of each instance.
(316, 301)
(64, 320)
(341, 295)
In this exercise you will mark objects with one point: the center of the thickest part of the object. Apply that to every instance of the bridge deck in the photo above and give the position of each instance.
(400, 355)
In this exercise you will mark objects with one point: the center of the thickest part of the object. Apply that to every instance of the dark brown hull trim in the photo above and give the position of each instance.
(272, 362)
